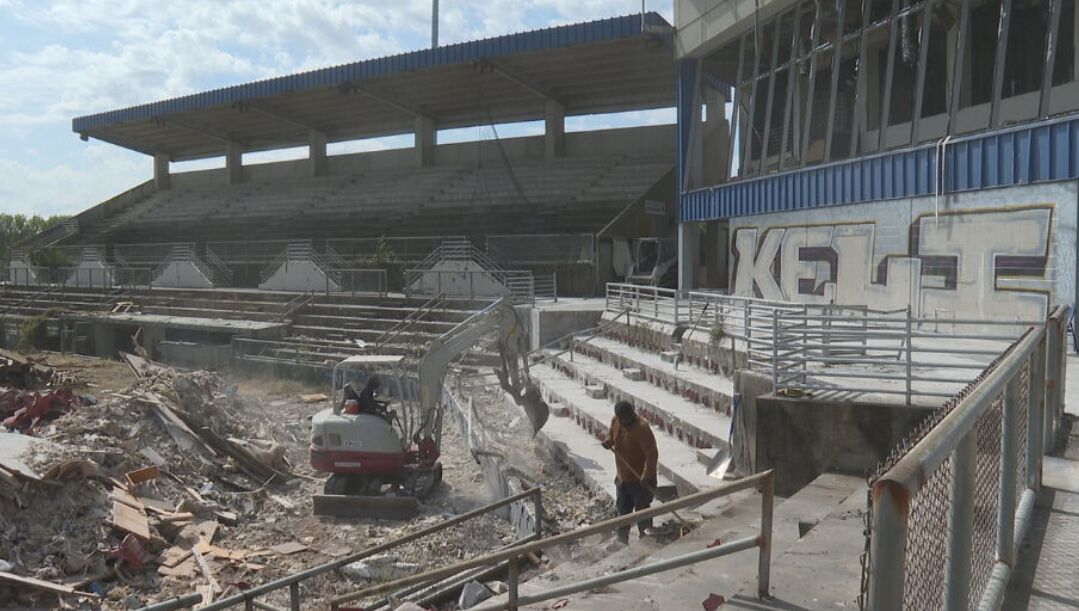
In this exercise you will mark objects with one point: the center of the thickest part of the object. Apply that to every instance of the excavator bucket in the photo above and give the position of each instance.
(535, 408)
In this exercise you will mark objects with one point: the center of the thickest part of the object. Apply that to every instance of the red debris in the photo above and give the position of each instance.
(713, 602)
(715, 543)
(130, 551)
(23, 409)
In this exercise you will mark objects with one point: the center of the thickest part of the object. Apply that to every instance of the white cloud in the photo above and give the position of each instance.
(101, 172)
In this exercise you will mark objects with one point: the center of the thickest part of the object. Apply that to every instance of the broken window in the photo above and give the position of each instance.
(1025, 62)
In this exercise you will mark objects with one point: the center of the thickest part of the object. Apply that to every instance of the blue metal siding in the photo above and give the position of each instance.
(615, 28)
(1042, 151)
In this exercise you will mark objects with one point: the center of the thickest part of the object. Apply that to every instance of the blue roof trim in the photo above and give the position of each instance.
(614, 28)
(1041, 151)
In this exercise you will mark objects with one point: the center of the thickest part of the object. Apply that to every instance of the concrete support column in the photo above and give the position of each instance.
(717, 134)
(688, 254)
(554, 134)
(425, 141)
(715, 254)
(234, 163)
(316, 152)
(162, 177)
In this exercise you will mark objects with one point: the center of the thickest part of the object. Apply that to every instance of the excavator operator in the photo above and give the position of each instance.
(365, 401)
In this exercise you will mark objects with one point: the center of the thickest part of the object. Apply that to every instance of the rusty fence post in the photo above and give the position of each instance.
(764, 559)
(891, 510)
(957, 571)
(1009, 462)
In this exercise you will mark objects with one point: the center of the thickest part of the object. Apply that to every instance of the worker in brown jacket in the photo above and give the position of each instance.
(635, 457)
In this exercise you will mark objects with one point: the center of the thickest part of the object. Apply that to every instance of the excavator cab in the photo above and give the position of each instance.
(366, 448)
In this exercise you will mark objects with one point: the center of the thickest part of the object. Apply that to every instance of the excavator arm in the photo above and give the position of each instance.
(512, 348)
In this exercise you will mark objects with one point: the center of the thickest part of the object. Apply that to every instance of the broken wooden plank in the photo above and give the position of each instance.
(207, 593)
(286, 549)
(185, 569)
(125, 497)
(151, 455)
(256, 469)
(129, 519)
(228, 518)
(173, 556)
(282, 501)
(382, 507)
(317, 397)
(142, 475)
(200, 561)
(38, 584)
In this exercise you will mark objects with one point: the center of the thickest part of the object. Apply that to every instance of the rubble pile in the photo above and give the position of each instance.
(134, 489)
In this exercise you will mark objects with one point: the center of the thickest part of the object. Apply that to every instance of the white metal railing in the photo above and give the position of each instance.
(831, 348)
(953, 504)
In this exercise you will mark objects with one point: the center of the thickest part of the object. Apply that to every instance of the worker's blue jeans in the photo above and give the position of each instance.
(630, 497)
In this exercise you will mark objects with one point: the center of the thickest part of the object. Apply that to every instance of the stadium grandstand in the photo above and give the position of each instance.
(557, 205)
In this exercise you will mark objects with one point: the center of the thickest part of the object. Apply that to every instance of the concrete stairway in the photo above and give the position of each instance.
(685, 407)
(816, 542)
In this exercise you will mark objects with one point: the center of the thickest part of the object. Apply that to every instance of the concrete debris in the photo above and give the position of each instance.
(409, 607)
(378, 568)
(473, 594)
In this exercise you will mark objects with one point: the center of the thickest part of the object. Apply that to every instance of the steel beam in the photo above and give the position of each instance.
(860, 85)
(815, 40)
(737, 129)
(747, 151)
(998, 64)
(524, 82)
(388, 99)
(957, 66)
(886, 103)
(1050, 58)
(792, 69)
(837, 57)
(200, 130)
(919, 79)
(269, 111)
(771, 95)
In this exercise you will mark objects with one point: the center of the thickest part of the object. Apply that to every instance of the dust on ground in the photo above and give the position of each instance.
(61, 533)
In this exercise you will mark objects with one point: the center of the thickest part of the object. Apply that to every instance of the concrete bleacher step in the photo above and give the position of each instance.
(581, 452)
(678, 462)
(681, 417)
(710, 389)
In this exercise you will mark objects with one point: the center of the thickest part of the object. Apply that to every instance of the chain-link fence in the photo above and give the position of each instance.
(950, 505)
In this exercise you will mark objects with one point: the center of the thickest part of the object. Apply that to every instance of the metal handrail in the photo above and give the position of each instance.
(413, 317)
(292, 582)
(594, 332)
(764, 480)
(955, 436)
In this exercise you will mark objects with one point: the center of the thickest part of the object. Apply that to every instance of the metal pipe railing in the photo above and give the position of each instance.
(765, 480)
(956, 437)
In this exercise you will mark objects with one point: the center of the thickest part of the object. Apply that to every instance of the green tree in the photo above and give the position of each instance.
(15, 228)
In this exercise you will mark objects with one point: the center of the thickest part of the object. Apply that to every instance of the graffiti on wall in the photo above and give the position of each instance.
(991, 262)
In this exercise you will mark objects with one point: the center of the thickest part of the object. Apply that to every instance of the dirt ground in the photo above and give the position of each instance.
(267, 515)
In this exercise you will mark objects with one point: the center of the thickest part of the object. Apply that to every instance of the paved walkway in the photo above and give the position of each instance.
(1047, 575)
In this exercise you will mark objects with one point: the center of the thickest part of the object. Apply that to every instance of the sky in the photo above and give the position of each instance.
(66, 58)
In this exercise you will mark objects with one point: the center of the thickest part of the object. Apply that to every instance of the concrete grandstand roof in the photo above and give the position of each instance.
(602, 66)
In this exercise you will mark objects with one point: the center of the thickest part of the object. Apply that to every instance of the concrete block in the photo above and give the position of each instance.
(596, 391)
(669, 356)
(633, 374)
(559, 409)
